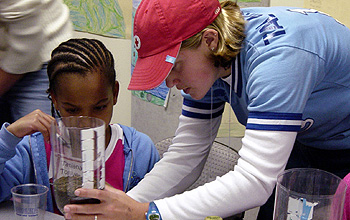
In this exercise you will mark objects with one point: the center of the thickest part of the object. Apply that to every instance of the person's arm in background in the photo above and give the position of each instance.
(7, 80)
(23, 36)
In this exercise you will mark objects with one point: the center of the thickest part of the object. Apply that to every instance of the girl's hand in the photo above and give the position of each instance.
(115, 204)
(31, 123)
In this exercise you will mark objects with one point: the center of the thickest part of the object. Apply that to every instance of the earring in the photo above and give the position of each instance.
(212, 49)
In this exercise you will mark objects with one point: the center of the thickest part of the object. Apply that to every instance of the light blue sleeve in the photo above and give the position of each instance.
(15, 163)
(143, 157)
(146, 154)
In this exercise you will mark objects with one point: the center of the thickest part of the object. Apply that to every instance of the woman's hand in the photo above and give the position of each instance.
(115, 204)
(31, 123)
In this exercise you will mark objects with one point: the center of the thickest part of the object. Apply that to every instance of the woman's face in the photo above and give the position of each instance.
(89, 95)
(194, 72)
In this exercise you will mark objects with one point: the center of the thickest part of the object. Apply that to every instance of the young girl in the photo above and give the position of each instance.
(82, 83)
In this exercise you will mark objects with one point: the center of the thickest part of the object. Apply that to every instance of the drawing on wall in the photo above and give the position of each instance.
(102, 17)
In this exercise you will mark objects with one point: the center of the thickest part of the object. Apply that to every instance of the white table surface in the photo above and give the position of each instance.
(7, 212)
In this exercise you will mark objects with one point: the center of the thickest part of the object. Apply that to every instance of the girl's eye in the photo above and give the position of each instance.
(72, 110)
(99, 108)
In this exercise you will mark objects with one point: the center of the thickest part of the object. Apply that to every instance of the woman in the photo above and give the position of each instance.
(284, 71)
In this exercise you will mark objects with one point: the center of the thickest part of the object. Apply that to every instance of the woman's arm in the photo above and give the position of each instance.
(263, 156)
(182, 163)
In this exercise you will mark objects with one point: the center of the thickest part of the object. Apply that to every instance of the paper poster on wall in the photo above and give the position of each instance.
(102, 17)
(338, 9)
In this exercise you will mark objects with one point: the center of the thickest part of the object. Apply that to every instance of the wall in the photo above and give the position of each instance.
(292, 3)
(156, 121)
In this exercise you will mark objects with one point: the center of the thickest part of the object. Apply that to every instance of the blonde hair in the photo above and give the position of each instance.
(230, 27)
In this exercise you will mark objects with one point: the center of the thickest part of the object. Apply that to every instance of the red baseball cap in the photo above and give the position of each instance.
(159, 28)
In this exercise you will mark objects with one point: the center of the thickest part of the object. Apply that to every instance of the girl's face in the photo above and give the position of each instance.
(89, 95)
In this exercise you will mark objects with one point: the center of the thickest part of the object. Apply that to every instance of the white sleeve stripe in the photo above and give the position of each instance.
(202, 111)
(273, 122)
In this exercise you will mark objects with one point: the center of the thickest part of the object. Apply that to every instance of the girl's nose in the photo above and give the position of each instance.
(87, 113)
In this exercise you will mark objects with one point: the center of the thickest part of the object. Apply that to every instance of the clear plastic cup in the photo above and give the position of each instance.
(78, 145)
(29, 201)
(307, 193)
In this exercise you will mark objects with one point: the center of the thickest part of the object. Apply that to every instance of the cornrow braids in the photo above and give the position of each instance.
(79, 56)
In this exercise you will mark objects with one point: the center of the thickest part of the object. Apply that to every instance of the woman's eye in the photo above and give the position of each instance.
(177, 67)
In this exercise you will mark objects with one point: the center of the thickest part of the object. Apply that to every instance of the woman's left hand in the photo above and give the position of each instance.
(115, 204)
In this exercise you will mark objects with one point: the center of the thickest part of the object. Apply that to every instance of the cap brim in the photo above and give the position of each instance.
(151, 71)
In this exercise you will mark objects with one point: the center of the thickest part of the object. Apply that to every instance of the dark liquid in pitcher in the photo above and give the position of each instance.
(64, 189)
(81, 200)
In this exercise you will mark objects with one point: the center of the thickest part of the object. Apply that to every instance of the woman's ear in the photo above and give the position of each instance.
(115, 92)
(210, 39)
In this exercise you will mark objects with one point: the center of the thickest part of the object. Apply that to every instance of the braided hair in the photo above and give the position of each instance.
(79, 56)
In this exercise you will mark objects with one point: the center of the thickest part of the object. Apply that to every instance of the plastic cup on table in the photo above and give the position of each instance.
(29, 201)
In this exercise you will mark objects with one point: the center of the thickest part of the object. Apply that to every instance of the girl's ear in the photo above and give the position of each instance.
(53, 99)
(55, 105)
(210, 39)
(115, 92)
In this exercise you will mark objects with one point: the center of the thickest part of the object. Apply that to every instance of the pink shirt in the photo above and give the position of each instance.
(346, 213)
(115, 166)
